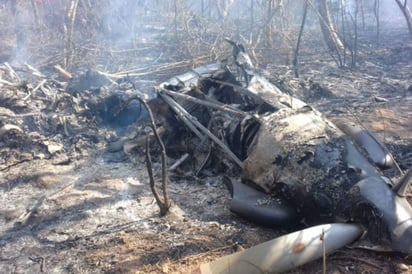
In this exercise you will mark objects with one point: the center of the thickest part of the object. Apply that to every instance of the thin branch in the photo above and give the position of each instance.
(69, 31)
(150, 172)
(357, 259)
(296, 52)
(165, 204)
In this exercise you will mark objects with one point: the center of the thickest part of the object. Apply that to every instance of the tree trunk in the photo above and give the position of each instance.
(268, 24)
(252, 19)
(355, 39)
(330, 34)
(223, 8)
(376, 13)
(296, 53)
(18, 31)
(68, 34)
(407, 13)
(343, 27)
(175, 10)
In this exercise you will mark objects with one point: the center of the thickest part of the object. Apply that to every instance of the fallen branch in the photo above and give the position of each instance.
(5, 82)
(24, 218)
(146, 71)
(6, 168)
(130, 144)
(63, 72)
(34, 71)
(356, 259)
(12, 72)
(179, 162)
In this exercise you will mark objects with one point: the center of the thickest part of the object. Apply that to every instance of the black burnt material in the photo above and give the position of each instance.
(297, 167)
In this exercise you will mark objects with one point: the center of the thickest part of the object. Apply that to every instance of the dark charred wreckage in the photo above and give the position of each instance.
(297, 167)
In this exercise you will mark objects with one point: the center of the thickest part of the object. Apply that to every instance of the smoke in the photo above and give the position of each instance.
(121, 21)
(20, 20)
(125, 24)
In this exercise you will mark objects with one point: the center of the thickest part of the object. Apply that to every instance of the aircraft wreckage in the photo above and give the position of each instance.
(297, 167)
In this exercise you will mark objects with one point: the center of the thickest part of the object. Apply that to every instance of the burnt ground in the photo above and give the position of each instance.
(70, 206)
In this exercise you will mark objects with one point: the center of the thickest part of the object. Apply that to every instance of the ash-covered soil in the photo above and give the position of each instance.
(71, 206)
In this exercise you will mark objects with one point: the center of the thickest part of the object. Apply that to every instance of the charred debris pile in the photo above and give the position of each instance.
(59, 116)
(55, 114)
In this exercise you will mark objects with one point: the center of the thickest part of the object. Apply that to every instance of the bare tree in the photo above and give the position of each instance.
(19, 32)
(35, 12)
(343, 24)
(68, 33)
(165, 204)
(376, 13)
(406, 13)
(252, 19)
(223, 7)
(360, 6)
(176, 10)
(268, 23)
(329, 31)
(354, 51)
(296, 52)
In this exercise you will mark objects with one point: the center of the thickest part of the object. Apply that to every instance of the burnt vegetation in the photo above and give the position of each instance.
(81, 122)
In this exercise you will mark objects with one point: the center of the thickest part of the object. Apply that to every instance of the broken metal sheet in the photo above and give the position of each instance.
(191, 78)
(261, 88)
